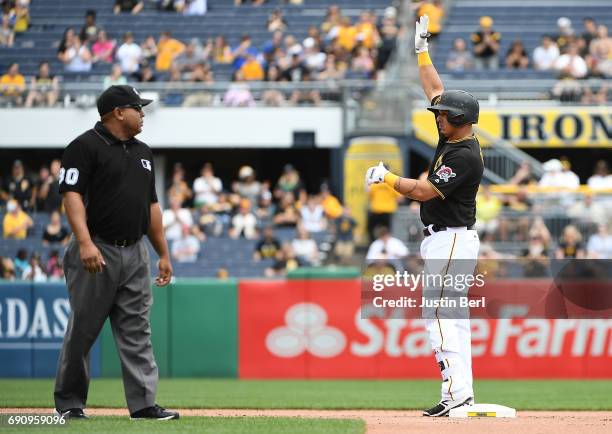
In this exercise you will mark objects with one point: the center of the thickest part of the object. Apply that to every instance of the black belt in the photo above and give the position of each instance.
(438, 228)
(120, 243)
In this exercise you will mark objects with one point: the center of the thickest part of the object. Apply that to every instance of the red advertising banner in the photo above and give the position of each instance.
(314, 329)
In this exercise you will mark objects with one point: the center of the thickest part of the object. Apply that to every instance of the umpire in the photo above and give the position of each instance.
(107, 181)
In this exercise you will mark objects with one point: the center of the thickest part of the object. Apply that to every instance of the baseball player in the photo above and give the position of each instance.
(448, 212)
(107, 181)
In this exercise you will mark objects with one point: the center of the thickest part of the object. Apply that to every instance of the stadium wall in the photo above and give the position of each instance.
(306, 326)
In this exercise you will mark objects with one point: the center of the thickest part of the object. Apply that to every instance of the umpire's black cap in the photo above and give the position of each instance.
(120, 96)
(462, 107)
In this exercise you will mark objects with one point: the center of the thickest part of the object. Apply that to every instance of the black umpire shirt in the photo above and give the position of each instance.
(116, 179)
(455, 174)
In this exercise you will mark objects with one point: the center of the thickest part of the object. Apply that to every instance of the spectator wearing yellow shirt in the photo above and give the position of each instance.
(488, 208)
(433, 9)
(366, 29)
(346, 34)
(12, 85)
(16, 222)
(22, 18)
(167, 49)
(251, 69)
(383, 203)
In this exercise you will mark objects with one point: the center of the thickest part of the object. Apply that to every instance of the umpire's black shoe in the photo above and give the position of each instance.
(71, 413)
(444, 407)
(156, 412)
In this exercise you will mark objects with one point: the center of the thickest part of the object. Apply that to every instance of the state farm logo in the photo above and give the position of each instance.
(305, 330)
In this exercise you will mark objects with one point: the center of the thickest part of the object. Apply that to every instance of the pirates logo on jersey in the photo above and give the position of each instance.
(445, 173)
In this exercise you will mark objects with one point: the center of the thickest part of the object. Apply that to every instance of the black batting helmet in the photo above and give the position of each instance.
(462, 107)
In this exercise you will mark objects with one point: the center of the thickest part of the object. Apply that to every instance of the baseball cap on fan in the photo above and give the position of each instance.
(120, 96)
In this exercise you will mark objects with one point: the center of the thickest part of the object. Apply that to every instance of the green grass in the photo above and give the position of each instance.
(316, 394)
(216, 425)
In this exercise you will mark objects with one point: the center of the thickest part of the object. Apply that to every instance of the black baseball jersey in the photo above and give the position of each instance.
(455, 174)
(116, 179)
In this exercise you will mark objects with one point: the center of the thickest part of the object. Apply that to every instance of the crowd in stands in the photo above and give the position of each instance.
(337, 48)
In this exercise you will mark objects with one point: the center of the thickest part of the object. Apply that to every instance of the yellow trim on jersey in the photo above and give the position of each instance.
(449, 388)
(442, 293)
(471, 136)
(436, 190)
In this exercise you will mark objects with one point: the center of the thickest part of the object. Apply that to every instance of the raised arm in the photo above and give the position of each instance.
(430, 80)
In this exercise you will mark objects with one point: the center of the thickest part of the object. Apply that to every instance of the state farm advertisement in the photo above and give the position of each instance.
(315, 329)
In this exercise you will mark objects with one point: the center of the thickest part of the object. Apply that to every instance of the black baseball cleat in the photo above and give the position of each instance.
(156, 412)
(71, 413)
(444, 407)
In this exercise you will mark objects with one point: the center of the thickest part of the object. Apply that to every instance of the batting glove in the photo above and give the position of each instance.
(376, 174)
(421, 35)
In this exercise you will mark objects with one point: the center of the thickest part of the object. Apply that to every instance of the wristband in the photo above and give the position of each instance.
(423, 59)
(391, 179)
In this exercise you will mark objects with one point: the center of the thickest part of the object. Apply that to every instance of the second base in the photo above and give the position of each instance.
(482, 410)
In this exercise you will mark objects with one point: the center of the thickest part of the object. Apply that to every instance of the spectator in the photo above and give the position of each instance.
(169, 5)
(346, 34)
(194, 7)
(22, 17)
(222, 52)
(363, 63)
(7, 269)
(77, 57)
(55, 232)
(571, 64)
(268, 246)
(186, 248)
(129, 54)
(590, 32)
(565, 35)
(276, 21)
(460, 59)
(536, 256)
(168, 49)
(332, 19)
(89, 31)
(19, 187)
(207, 187)
(313, 216)
(178, 186)
(599, 245)
(175, 218)
(285, 261)
(601, 52)
(523, 175)
(305, 96)
(21, 262)
(44, 88)
(240, 53)
(382, 204)
(247, 186)
(148, 50)
(251, 69)
(314, 58)
(128, 6)
(592, 95)
(567, 89)
(47, 191)
(238, 94)
(208, 223)
(193, 55)
(516, 57)
(34, 271)
(570, 245)
(345, 242)
(434, 10)
(386, 247)
(331, 205)
(12, 85)
(486, 45)
(546, 54)
(7, 35)
(488, 208)
(115, 77)
(54, 268)
(103, 49)
(553, 175)
(66, 41)
(290, 182)
(265, 208)
(273, 97)
(601, 178)
(16, 222)
(388, 37)
(244, 223)
(305, 248)
(145, 75)
(332, 71)
(286, 214)
(587, 211)
(571, 179)
(367, 34)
